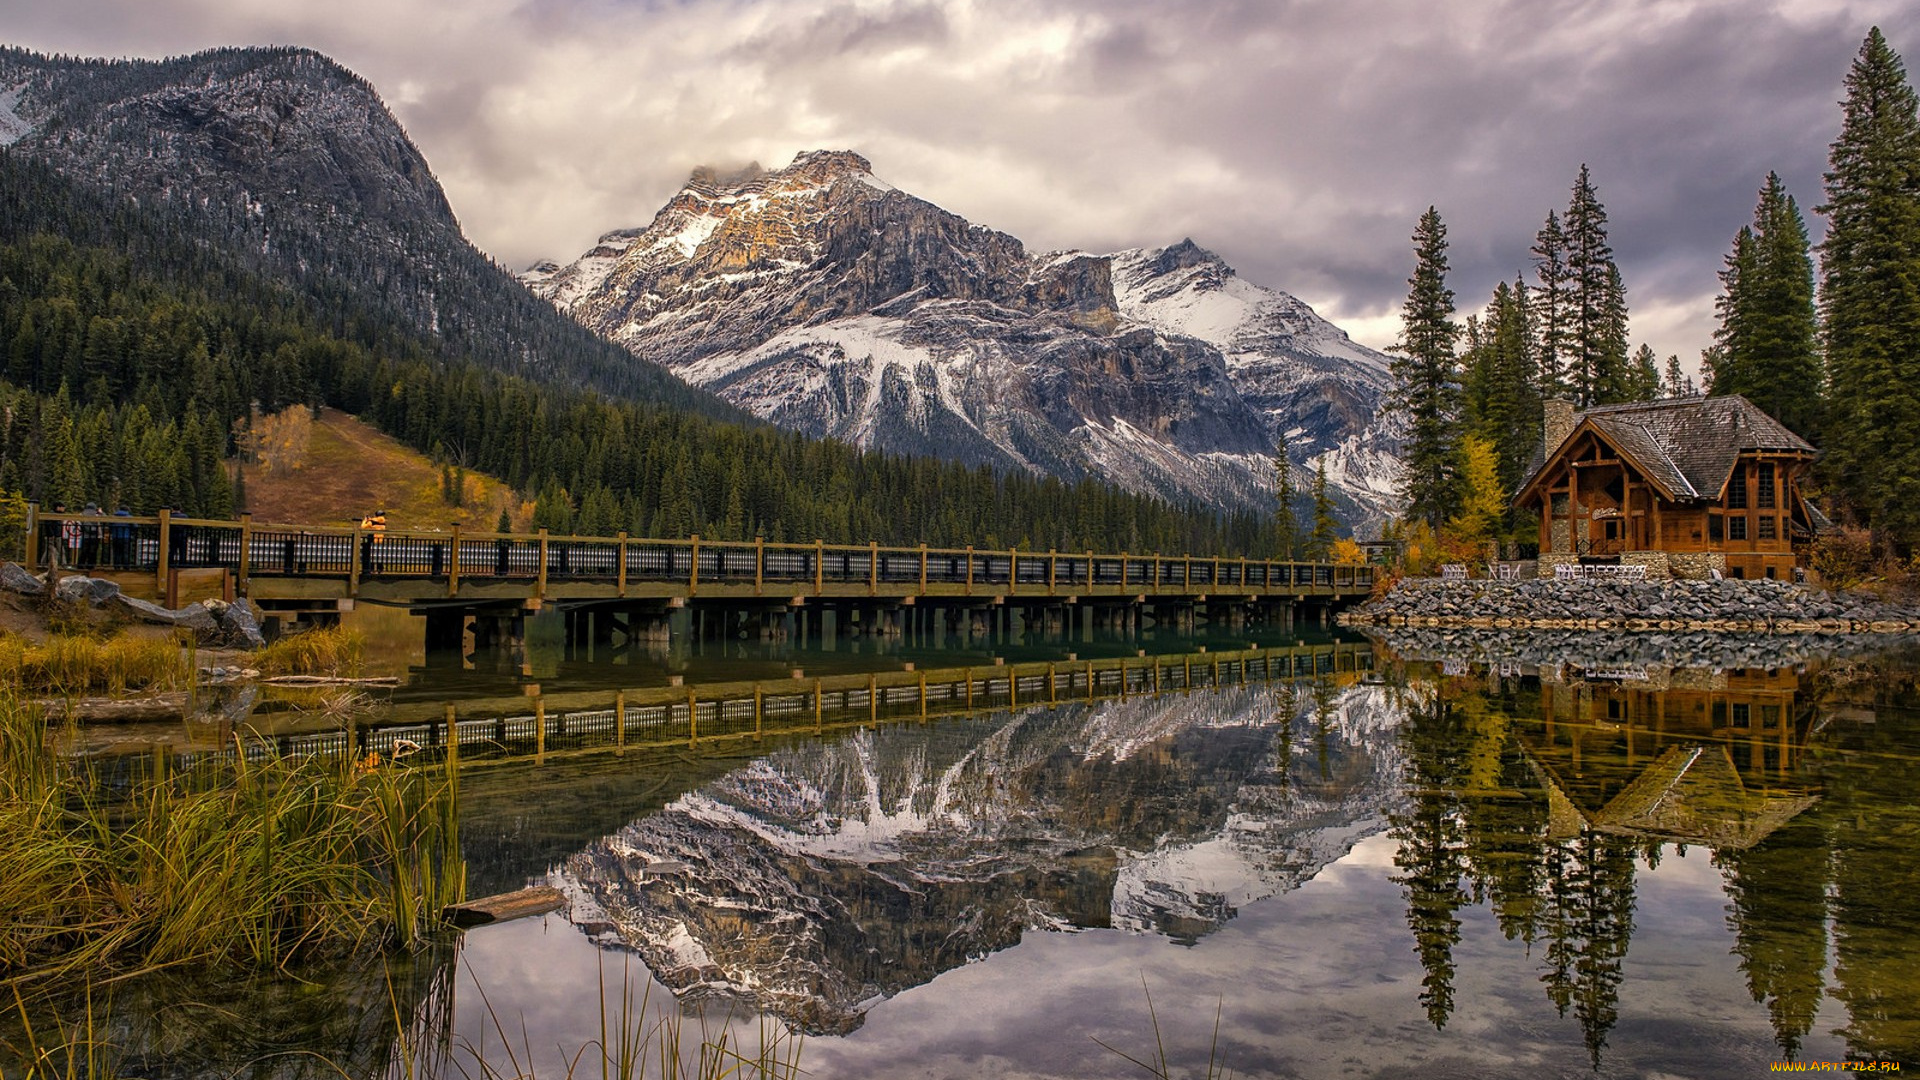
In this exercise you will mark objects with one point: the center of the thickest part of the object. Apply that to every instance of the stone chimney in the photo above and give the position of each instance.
(1559, 424)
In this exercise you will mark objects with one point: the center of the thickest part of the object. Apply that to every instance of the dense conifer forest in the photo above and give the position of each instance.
(136, 345)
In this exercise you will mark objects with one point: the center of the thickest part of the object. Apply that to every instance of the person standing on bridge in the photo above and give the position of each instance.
(376, 525)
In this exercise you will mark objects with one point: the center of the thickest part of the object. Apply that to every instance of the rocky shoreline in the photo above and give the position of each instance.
(1732, 606)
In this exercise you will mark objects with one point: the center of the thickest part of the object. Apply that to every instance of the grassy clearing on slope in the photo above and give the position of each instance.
(347, 469)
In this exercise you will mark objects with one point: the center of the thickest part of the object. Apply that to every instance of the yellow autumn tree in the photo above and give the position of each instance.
(1483, 503)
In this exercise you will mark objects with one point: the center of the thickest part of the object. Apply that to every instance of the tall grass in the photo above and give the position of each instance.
(73, 664)
(263, 862)
(330, 650)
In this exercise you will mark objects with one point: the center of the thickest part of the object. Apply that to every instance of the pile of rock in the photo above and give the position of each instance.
(1768, 607)
(213, 622)
(1590, 650)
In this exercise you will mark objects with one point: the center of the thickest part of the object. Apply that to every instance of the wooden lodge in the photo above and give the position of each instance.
(1683, 486)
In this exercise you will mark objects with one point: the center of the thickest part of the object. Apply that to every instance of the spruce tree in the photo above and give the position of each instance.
(1870, 297)
(1643, 375)
(1676, 383)
(1285, 526)
(1427, 379)
(1596, 302)
(1548, 307)
(1326, 527)
(1767, 336)
(1503, 403)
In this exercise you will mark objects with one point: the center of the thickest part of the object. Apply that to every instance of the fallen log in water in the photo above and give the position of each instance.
(537, 900)
(331, 680)
(170, 706)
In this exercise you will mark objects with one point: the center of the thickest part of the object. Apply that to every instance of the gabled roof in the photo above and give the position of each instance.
(1687, 446)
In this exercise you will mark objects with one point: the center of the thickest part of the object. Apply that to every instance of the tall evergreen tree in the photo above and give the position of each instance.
(1870, 298)
(1326, 527)
(1548, 307)
(1502, 400)
(1286, 527)
(1768, 331)
(1427, 378)
(1596, 302)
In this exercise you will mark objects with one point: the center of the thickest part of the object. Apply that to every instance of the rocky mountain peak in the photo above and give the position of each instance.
(1185, 254)
(821, 298)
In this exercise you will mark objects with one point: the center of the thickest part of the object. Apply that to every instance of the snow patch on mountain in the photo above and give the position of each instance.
(13, 126)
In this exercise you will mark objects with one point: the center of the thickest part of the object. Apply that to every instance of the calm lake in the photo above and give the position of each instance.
(1450, 856)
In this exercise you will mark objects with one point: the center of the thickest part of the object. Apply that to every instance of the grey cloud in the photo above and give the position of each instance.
(1300, 139)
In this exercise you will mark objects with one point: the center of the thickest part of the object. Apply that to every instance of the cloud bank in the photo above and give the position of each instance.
(1301, 139)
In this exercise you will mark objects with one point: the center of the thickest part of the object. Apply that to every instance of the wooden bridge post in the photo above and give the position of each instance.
(819, 566)
(166, 556)
(1053, 566)
(620, 720)
(620, 565)
(540, 589)
(1013, 572)
(693, 566)
(759, 564)
(923, 569)
(1186, 572)
(873, 568)
(246, 550)
(33, 534)
(453, 564)
(969, 569)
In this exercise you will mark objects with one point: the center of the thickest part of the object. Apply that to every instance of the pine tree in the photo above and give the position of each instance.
(1767, 338)
(1643, 375)
(1503, 404)
(1326, 527)
(1548, 305)
(1676, 383)
(1870, 297)
(1596, 302)
(1426, 378)
(1286, 526)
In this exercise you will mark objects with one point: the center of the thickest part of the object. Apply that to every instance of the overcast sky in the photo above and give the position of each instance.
(1300, 139)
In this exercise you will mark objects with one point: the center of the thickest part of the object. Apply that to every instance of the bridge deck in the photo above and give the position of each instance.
(422, 567)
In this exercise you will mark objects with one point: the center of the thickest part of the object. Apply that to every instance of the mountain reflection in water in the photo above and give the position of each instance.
(826, 875)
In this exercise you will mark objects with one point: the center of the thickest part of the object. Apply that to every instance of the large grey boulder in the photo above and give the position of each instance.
(194, 616)
(17, 578)
(238, 627)
(80, 589)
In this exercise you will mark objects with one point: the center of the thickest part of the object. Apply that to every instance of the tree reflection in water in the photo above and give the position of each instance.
(1540, 789)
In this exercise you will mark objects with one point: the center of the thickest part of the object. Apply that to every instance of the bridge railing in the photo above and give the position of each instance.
(166, 542)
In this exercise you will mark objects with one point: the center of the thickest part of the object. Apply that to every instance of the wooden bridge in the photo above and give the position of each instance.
(484, 582)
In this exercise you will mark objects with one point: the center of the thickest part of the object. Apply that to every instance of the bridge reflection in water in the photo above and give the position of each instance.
(542, 726)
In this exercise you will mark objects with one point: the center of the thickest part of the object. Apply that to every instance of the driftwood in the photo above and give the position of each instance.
(172, 706)
(331, 680)
(537, 900)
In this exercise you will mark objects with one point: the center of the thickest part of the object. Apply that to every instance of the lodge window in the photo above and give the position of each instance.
(1742, 715)
(1737, 490)
(1768, 530)
(1736, 528)
(1713, 528)
(1766, 487)
(1769, 716)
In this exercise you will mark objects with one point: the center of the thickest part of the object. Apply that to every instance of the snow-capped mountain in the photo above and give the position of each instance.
(820, 878)
(823, 299)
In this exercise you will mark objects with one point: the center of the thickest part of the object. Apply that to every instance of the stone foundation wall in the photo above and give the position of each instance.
(1657, 563)
(1694, 565)
(1550, 559)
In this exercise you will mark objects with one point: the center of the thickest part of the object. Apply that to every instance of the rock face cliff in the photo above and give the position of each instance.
(822, 877)
(823, 299)
(294, 164)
